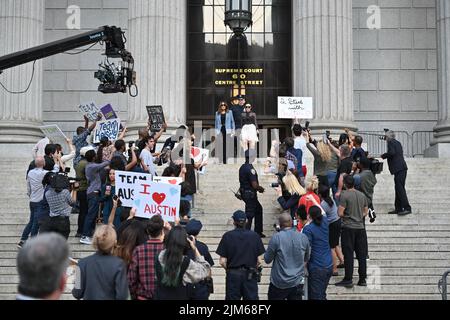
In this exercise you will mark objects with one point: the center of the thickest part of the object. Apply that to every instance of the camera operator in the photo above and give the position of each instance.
(293, 190)
(399, 169)
(289, 250)
(60, 201)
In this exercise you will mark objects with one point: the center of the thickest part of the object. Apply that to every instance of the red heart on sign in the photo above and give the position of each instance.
(173, 181)
(195, 152)
(158, 197)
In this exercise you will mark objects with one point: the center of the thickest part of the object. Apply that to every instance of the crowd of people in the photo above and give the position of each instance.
(321, 230)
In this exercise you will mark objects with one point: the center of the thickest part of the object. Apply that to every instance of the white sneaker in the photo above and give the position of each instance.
(86, 240)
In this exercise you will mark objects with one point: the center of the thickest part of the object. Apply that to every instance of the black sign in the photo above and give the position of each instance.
(156, 116)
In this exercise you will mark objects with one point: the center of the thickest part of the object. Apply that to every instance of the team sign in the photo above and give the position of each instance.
(125, 184)
(157, 199)
(295, 108)
(90, 110)
(108, 128)
(108, 112)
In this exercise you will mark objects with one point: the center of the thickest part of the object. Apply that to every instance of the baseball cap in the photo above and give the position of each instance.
(239, 216)
(84, 150)
(193, 227)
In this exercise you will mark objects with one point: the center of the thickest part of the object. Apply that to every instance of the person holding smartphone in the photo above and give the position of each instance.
(108, 191)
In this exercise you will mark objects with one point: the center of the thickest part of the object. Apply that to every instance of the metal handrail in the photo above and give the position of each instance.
(442, 285)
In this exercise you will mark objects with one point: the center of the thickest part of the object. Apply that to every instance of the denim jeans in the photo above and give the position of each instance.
(331, 181)
(318, 282)
(82, 197)
(36, 213)
(89, 222)
(294, 293)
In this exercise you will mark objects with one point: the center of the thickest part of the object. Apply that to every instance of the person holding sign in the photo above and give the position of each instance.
(147, 157)
(225, 128)
(79, 140)
(249, 133)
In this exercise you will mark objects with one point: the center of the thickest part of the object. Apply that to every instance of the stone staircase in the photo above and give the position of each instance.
(408, 255)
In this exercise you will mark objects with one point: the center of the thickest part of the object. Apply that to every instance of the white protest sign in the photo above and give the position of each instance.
(125, 183)
(109, 128)
(295, 108)
(168, 180)
(199, 154)
(90, 110)
(54, 134)
(157, 198)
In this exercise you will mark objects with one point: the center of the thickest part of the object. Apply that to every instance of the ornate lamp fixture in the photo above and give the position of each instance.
(238, 15)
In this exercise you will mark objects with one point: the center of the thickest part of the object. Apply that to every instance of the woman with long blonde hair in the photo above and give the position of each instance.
(293, 192)
(325, 161)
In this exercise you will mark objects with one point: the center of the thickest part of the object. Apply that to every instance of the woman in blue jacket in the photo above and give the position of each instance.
(225, 127)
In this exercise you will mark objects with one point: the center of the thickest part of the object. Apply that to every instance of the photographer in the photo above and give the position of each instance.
(294, 191)
(289, 250)
(60, 201)
(399, 169)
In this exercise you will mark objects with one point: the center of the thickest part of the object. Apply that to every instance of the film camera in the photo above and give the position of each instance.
(114, 78)
(61, 181)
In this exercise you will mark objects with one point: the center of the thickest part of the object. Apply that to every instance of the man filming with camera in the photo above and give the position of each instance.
(399, 169)
(289, 250)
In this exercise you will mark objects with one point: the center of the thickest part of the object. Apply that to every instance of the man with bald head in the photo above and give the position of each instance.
(35, 190)
(289, 250)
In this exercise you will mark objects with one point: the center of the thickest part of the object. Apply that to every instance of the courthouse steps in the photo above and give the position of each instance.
(410, 253)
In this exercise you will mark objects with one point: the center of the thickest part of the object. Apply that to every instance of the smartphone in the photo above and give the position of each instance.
(67, 170)
(307, 125)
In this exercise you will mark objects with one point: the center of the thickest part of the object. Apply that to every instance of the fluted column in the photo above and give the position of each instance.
(441, 141)
(21, 27)
(157, 40)
(323, 60)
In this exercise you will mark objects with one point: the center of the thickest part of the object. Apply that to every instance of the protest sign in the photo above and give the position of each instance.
(168, 180)
(199, 155)
(108, 112)
(156, 116)
(90, 110)
(54, 134)
(125, 184)
(157, 198)
(295, 108)
(108, 128)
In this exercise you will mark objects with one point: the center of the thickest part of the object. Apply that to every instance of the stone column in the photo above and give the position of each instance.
(22, 27)
(441, 142)
(323, 60)
(157, 40)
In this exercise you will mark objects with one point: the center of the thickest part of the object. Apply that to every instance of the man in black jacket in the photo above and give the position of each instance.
(398, 168)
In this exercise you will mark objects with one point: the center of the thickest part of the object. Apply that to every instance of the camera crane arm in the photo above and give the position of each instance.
(112, 36)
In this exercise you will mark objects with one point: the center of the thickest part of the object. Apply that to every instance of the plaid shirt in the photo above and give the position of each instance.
(60, 203)
(141, 272)
(79, 141)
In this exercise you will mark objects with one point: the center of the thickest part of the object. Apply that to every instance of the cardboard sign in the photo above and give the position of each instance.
(125, 183)
(54, 134)
(295, 108)
(157, 198)
(168, 180)
(199, 155)
(108, 112)
(156, 116)
(90, 110)
(108, 128)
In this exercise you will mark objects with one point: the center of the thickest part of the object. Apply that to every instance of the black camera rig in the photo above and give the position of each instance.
(114, 79)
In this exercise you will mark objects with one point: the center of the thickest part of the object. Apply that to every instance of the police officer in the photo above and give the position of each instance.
(248, 179)
(241, 261)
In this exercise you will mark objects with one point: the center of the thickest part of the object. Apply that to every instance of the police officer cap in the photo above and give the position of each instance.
(239, 216)
(193, 227)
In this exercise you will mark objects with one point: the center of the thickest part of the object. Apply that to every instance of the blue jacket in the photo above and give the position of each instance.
(229, 123)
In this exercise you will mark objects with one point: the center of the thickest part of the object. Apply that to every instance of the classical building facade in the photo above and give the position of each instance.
(364, 70)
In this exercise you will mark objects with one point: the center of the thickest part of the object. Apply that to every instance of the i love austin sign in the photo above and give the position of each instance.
(152, 198)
